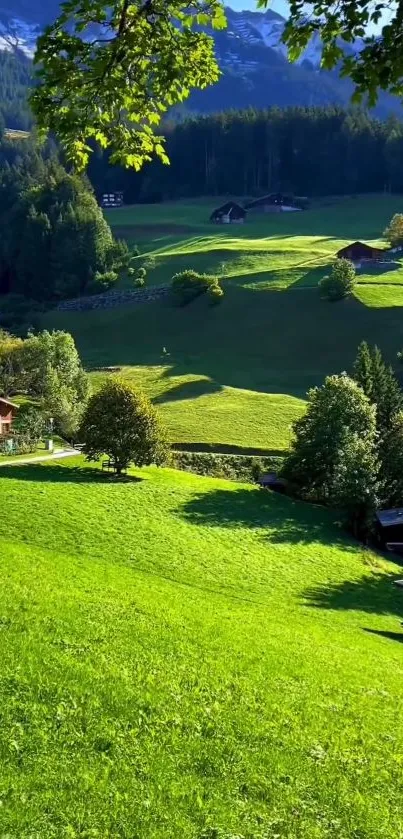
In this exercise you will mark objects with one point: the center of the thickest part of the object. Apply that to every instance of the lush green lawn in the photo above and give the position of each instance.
(185, 656)
(235, 375)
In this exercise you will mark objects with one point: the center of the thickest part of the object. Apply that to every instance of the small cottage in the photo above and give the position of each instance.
(229, 213)
(272, 481)
(7, 413)
(389, 528)
(360, 252)
(112, 199)
(276, 202)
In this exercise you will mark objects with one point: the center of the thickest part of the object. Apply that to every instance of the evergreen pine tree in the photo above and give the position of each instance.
(392, 464)
(362, 371)
(386, 393)
(379, 384)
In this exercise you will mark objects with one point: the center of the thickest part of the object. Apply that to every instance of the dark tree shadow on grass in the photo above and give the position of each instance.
(378, 268)
(373, 593)
(383, 633)
(188, 390)
(284, 520)
(54, 474)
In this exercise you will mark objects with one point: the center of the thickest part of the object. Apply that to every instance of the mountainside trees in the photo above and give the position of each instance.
(56, 242)
(305, 151)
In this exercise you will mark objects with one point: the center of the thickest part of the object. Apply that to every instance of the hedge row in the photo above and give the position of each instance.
(235, 467)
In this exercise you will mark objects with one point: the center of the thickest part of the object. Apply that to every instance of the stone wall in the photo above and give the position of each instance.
(113, 299)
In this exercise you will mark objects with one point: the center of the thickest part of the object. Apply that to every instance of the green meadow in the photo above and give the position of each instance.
(188, 657)
(236, 375)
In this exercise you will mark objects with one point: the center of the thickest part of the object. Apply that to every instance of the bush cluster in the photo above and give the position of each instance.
(340, 283)
(234, 467)
(187, 285)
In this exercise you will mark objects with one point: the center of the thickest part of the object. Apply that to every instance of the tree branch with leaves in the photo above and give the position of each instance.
(378, 64)
(107, 73)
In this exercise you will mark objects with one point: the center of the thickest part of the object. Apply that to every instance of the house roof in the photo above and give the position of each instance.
(361, 245)
(7, 402)
(272, 478)
(273, 198)
(390, 518)
(227, 208)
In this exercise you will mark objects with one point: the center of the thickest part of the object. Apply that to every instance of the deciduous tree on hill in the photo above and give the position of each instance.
(121, 422)
(326, 439)
(394, 230)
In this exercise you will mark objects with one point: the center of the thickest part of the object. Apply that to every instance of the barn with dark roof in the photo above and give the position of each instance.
(229, 213)
(359, 252)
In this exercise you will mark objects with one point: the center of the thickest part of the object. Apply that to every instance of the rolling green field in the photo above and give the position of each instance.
(236, 375)
(188, 657)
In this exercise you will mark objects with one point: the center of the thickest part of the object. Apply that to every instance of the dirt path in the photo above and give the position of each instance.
(41, 458)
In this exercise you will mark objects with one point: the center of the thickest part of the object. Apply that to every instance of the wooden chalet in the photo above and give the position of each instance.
(8, 411)
(276, 202)
(360, 252)
(272, 481)
(112, 199)
(389, 529)
(229, 213)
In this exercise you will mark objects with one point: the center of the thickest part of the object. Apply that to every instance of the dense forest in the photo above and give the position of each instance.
(308, 151)
(55, 240)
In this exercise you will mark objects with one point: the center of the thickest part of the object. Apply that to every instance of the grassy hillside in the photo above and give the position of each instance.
(235, 375)
(185, 656)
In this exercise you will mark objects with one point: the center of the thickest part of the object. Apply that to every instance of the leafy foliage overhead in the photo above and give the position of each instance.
(379, 65)
(108, 72)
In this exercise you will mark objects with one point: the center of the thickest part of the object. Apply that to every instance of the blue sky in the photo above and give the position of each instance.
(279, 6)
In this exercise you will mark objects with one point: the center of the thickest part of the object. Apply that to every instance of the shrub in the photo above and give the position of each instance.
(141, 272)
(188, 285)
(215, 294)
(102, 282)
(340, 283)
(139, 282)
(29, 424)
(149, 263)
(234, 467)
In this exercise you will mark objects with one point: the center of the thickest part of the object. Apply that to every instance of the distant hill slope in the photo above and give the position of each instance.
(234, 374)
(252, 57)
